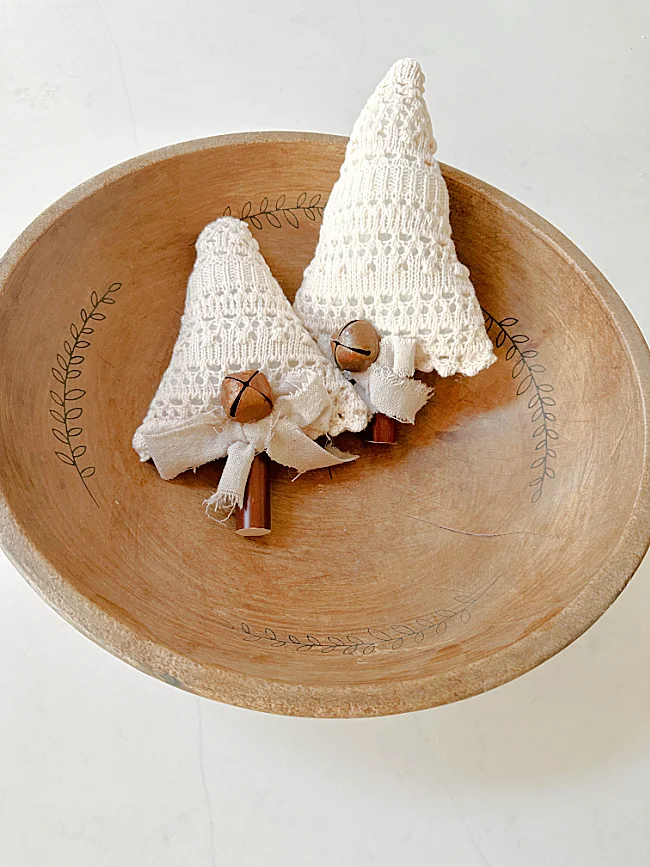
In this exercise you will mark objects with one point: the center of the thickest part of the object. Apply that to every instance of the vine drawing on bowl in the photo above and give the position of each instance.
(527, 370)
(371, 639)
(274, 215)
(66, 395)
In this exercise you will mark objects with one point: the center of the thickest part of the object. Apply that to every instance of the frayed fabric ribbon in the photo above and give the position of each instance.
(395, 396)
(388, 386)
(287, 435)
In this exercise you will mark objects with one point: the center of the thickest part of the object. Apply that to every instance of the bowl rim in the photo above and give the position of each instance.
(363, 699)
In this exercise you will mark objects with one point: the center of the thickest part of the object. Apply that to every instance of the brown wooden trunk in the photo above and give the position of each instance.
(254, 518)
(383, 429)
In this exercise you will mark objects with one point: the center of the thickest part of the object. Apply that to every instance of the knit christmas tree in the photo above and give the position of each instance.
(237, 319)
(386, 255)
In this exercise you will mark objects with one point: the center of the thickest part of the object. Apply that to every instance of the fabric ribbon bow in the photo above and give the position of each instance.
(302, 412)
(388, 386)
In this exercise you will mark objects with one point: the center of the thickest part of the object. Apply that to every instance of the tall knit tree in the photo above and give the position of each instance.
(386, 255)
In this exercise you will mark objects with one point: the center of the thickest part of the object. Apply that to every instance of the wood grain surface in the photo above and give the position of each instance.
(495, 531)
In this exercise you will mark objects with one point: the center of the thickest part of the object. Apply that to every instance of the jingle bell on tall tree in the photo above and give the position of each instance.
(385, 255)
(245, 381)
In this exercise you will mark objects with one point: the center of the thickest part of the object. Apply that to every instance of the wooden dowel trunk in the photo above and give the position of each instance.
(254, 518)
(383, 430)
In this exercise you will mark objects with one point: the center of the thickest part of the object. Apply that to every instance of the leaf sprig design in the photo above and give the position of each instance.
(274, 215)
(528, 371)
(67, 395)
(371, 639)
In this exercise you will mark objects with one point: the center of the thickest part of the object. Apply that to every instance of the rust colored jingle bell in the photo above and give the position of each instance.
(246, 396)
(356, 346)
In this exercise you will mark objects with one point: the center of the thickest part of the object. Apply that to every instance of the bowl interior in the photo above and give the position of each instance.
(422, 564)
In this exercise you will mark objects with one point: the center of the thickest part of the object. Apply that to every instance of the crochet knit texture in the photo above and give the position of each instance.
(385, 253)
(237, 318)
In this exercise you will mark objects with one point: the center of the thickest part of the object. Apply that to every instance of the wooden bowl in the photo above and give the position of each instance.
(497, 530)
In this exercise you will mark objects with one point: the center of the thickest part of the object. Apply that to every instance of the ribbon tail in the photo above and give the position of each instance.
(396, 396)
(189, 445)
(398, 354)
(232, 485)
(292, 447)
(343, 457)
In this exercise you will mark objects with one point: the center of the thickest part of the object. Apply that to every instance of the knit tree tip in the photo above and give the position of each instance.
(223, 232)
(406, 72)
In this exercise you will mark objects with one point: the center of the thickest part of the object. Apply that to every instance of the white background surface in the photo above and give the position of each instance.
(101, 766)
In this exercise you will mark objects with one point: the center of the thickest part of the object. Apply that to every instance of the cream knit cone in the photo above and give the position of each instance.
(385, 253)
(237, 318)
